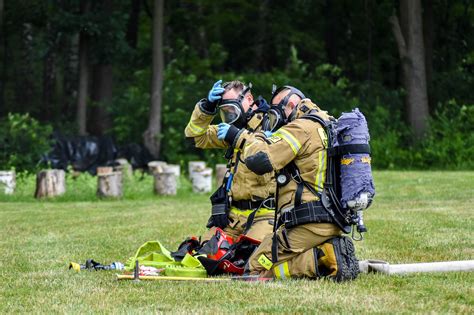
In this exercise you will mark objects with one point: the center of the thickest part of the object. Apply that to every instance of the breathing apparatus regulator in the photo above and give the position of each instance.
(231, 110)
(276, 114)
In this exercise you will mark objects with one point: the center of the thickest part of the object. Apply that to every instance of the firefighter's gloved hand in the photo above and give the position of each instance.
(222, 131)
(227, 133)
(268, 134)
(216, 92)
(262, 105)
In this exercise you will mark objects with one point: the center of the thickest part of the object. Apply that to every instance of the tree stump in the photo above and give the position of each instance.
(156, 166)
(165, 183)
(176, 170)
(50, 183)
(8, 182)
(124, 167)
(109, 184)
(202, 181)
(195, 166)
(104, 170)
(221, 169)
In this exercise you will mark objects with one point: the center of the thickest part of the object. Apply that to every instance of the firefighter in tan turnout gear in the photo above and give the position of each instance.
(244, 203)
(307, 242)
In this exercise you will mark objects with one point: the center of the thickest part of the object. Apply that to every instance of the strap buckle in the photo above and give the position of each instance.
(296, 177)
(269, 203)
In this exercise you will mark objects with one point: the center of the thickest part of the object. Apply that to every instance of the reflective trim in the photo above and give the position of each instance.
(321, 173)
(288, 137)
(246, 213)
(282, 271)
(198, 131)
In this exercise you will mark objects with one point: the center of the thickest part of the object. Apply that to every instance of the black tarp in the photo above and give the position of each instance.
(86, 153)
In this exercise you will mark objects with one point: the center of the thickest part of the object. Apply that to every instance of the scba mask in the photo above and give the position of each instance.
(231, 110)
(276, 113)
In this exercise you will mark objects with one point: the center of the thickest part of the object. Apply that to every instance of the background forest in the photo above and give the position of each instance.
(134, 69)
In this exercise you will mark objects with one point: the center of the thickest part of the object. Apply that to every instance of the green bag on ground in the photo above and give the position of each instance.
(154, 254)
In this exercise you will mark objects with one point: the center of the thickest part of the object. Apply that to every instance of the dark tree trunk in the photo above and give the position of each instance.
(412, 56)
(3, 45)
(260, 60)
(203, 45)
(82, 91)
(151, 136)
(132, 25)
(428, 33)
(368, 15)
(102, 93)
(24, 86)
(99, 118)
(330, 33)
(49, 77)
(70, 70)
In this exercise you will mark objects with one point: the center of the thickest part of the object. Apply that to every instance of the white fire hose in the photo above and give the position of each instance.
(380, 266)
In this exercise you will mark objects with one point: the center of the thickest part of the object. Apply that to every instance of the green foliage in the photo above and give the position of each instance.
(340, 54)
(450, 142)
(24, 140)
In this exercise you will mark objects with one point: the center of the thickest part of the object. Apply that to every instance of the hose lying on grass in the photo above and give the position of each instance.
(380, 266)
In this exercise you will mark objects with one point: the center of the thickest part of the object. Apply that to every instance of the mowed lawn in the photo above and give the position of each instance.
(416, 217)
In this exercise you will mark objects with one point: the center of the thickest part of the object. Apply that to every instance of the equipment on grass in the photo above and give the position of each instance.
(214, 279)
(93, 265)
(188, 246)
(138, 275)
(225, 256)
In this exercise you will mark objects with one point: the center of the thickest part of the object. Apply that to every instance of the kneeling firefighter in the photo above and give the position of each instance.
(244, 203)
(307, 241)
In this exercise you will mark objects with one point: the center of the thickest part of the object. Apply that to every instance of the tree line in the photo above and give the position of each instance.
(134, 69)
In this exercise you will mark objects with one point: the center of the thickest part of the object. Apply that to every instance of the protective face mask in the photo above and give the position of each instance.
(276, 118)
(230, 112)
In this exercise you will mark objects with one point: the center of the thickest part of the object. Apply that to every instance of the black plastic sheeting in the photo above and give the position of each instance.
(85, 153)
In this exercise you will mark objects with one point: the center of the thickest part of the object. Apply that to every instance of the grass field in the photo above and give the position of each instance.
(416, 217)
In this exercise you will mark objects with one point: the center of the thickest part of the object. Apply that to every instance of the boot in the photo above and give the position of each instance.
(337, 260)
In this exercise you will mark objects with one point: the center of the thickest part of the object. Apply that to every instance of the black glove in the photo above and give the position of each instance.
(220, 209)
(218, 220)
(262, 105)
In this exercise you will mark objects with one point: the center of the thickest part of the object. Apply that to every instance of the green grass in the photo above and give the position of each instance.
(416, 217)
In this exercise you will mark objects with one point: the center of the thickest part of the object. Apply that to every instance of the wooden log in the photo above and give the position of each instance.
(221, 169)
(176, 170)
(195, 166)
(156, 166)
(109, 185)
(8, 182)
(165, 183)
(124, 167)
(202, 181)
(50, 183)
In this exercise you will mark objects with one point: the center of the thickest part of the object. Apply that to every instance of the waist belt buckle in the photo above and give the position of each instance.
(269, 203)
